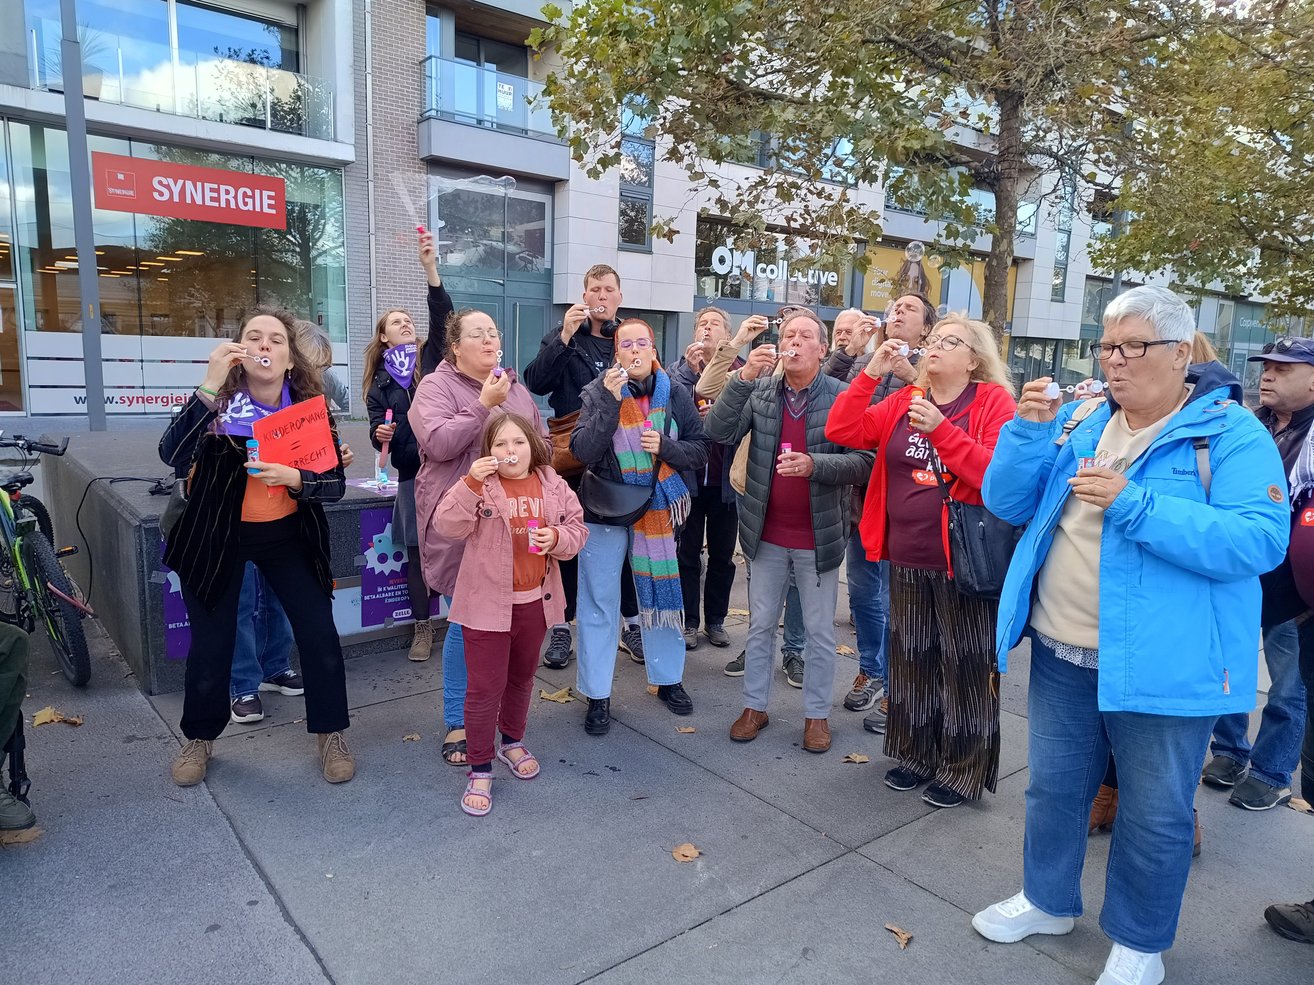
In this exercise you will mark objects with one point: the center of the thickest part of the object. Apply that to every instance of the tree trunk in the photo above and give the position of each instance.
(1008, 161)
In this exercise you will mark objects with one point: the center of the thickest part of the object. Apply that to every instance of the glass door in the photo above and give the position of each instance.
(11, 357)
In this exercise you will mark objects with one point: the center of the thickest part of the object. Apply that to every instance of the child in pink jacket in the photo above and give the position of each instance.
(517, 518)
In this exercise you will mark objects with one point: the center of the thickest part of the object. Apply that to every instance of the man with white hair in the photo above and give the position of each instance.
(1150, 517)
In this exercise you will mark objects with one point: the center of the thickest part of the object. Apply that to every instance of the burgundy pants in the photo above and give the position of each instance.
(501, 668)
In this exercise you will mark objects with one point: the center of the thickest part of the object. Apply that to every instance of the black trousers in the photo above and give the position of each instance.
(718, 523)
(284, 559)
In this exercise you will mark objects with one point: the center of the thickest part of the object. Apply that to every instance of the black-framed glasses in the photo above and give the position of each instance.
(1128, 350)
(946, 342)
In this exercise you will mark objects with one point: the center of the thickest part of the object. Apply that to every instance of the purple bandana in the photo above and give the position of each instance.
(399, 361)
(241, 411)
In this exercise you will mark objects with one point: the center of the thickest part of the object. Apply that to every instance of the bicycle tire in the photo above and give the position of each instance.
(61, 621)
(38, 510)
(8, 588)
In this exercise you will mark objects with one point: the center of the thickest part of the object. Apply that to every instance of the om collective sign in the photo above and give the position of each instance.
(180, 191)
(298, 436)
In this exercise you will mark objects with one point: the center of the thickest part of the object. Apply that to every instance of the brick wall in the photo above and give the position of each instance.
(399, 175)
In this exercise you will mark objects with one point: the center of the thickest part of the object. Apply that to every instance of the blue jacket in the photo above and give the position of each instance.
(1179, 571)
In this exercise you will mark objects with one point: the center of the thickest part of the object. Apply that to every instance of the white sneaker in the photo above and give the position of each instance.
(1128, 967)
(1015, 918)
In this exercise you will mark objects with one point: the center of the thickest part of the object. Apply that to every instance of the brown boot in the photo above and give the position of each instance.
(336, 759)
(189, 765)
(1104, 810)
(421, 642)
(748, 724)
(816, 734)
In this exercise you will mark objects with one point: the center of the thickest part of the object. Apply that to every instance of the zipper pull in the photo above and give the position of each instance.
(1227, 688)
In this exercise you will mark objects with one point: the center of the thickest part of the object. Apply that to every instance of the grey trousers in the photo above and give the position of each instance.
(766, 599)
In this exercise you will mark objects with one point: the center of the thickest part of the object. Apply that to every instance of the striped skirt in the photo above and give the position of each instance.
(943, 684)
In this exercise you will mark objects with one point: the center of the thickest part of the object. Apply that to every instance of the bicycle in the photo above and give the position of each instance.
(34, 587)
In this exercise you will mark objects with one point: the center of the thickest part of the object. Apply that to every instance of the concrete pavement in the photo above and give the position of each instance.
(266, 873)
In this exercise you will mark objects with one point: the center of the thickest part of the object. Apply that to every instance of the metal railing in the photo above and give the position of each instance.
(467, 93)
(129, 72)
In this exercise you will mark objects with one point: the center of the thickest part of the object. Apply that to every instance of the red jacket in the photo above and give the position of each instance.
(855, 424)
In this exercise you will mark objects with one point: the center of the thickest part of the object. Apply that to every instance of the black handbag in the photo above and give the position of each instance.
(618, 504)
(980, 545)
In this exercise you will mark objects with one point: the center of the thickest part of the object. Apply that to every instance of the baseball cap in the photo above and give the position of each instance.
(1286, 351)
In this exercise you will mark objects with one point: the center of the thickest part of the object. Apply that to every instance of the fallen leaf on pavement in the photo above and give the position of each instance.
(652, 688)
(736, 612)
(902, 936)
(24, 837)
(1296, 804)
(856, 757)
(413, 737)
(48, 715)
(685, 853)
(844, 650)
(562, 697)
(685, 729)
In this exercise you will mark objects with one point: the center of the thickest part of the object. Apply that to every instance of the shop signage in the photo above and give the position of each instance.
(726, 259)
(180, 191)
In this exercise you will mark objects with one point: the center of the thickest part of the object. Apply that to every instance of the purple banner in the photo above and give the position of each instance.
(177, 627)
(383, 594)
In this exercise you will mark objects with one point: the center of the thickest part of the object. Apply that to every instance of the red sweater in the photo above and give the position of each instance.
(855, 424)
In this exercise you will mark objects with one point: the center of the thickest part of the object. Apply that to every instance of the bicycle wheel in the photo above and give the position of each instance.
(8, 587)
(62, 622)
(38, 510)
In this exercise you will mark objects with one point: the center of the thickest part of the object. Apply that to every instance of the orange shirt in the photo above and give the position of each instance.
(525, 502)
(262, 503)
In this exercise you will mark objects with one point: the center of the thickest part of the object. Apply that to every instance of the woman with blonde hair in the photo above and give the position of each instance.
(933, 440)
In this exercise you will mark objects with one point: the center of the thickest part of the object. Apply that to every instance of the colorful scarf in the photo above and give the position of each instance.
(399, 361)
(241, 410)
(652, 538)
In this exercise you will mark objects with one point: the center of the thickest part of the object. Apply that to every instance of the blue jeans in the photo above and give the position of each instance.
(264, 637)
(869, 604)
(1276, 752)
(1159, 759)
(597, 617)
(454, 677)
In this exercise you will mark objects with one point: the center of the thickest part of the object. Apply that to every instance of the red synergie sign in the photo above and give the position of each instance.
(180, 191)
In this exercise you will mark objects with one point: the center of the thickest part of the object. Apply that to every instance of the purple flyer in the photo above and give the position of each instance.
(177, 627)
(383, 595)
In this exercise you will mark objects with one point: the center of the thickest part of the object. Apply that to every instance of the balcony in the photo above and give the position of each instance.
(131, 72)
(477, 116)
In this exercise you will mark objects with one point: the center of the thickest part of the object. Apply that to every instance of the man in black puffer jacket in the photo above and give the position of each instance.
(794, 513)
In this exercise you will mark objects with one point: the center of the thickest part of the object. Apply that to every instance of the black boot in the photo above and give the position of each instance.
(676, 698)
(597, 720)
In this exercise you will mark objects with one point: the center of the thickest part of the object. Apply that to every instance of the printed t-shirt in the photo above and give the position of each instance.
(524, 499)
(914, 505)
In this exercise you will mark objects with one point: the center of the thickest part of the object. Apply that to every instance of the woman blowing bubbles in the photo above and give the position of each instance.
(239, 511)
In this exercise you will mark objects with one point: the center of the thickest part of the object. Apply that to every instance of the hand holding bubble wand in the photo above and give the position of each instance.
(498, 370)
(1093, 388)
(381, 475)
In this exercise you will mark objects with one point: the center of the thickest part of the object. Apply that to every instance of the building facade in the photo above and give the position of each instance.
(365, 119)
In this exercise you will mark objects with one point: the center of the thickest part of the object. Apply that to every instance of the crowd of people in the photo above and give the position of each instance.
(1151, 529)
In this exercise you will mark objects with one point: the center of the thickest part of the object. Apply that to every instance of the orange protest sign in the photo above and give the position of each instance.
(298, 436)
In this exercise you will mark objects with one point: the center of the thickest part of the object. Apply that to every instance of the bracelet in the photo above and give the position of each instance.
(206, 389)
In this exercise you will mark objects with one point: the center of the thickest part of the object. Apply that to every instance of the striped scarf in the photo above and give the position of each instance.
(652, 537)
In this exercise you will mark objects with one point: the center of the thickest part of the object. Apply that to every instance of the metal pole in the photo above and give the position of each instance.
(84, 236)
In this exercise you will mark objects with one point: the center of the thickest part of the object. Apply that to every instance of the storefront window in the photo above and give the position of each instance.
(178, 277)
(764, 274)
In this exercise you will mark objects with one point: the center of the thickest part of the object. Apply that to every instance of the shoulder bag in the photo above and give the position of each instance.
(980, 544)
(619, 504)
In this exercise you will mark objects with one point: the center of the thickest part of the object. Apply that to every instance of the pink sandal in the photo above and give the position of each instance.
(528, 757)
(470, 791)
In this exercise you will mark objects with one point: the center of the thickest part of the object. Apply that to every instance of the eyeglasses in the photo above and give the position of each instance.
(946, 342)
(786, 310)
(1128, 350)
(1281, 345)
(488, 333)
(636, 344)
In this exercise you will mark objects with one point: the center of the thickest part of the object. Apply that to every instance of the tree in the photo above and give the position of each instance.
(929, 98)
(1217, 177)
